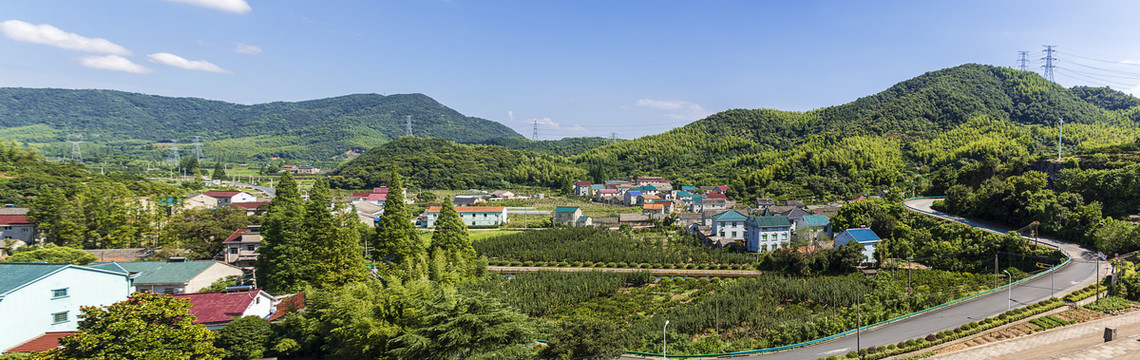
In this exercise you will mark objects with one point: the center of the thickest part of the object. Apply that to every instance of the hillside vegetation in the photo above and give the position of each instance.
(126, 126)
(909, 138)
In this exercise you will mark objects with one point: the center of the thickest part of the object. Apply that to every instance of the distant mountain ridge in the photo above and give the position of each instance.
(313, 129)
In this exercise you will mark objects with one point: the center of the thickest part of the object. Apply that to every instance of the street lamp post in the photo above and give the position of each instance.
(1009, 305)
(666, 357)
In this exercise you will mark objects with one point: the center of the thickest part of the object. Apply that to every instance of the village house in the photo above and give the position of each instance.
(582, 188)
(767, 233)
(502, 194)
(721, 189)
(653, 209)
(566, 215)
(15, 229)
(368, 212)
(217, 309)
(608, 196)
(37, 299)
(251, 208)
(225, 198)
(467, 200)
(471, 215)
(635, 220)
(729, 225)
(814, 225)
(174, 276)
(631, 198)
(652, 180)
(863, 236)
(240, 248)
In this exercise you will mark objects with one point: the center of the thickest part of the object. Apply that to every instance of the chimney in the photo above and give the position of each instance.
(862, 226)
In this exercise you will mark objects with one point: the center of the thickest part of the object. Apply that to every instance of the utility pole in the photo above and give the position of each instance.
(1060, 137)
(995, 270)
(908, 266)
(1023, 60)
(1048, 73)
(408, 125)
(858, 327)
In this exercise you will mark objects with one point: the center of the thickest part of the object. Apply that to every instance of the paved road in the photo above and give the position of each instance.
(1080, 272)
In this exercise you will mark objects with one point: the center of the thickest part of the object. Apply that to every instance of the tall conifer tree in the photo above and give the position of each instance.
(283, 258)
(333, 241)
(396, 238)
(451, 233)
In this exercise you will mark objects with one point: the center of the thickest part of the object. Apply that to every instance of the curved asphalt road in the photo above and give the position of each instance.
(1080, 272)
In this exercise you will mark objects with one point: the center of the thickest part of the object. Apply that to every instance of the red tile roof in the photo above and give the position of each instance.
(249, 205)
(380, 190)
(361, 194)
(716, 196)
(288, 305)
(378, 197)
(653, 207)
(218, 306)
(582, 183)
(236, 236)
(45, 342)
(14, 220)
(218, 193)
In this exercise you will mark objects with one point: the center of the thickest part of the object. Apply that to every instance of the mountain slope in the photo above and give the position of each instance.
(314, 129)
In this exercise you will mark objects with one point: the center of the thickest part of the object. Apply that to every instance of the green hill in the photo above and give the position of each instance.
(909, 137)
(121, 122)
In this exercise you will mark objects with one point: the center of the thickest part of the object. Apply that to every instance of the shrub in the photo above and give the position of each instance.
(901, 344)
(516, 263)
(588, 264)
(872, 349)
(622, 264)
(910, 342)
(931, 337)
(611, 264)
(892, 347)
(852, 355)
(1002, 316)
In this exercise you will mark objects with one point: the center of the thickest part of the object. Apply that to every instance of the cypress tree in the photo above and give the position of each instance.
(451, 233)
(396, 238)
(283, 260)
(333, 241)
(219, 171)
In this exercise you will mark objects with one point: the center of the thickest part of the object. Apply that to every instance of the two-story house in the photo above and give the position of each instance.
(40, 298)
(17, 229)
(471, 215)
(767, 233)
(174, 276)
(225, 198)
(582, 188)
(216, 309)
(864, 237)
(240, 248)
(730, 225)
(566, 215)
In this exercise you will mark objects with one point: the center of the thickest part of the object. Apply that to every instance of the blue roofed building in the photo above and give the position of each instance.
(631, 198)
(863, 236)
(566, 215)
(39, 298)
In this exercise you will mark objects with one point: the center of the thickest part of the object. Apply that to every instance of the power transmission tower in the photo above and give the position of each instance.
(613, 138)
(198, 148)
(408, 125)
(1049, 59)
(175, 159)
(76, 153)
(535, 135)
(1023, 60)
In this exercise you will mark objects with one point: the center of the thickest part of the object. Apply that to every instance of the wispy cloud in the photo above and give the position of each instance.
(511, 115)
(1130, 62)
(234, 6)
(113, 63)
(51, 35)
(546, 123)
(243, 48)
(182, 63)
(676, 109)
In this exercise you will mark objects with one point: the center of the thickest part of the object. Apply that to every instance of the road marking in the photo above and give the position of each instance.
(836, 351)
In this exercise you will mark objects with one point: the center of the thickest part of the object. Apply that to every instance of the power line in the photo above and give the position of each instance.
(1048, 74)
(1105, 61)
(1023, 60)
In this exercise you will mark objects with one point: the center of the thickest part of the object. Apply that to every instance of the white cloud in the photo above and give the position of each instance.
(578, 128)
(51, 35)
(1130, 62)
(546, 123)
(243, 48)
(511, 115)
(234, 6)
(182, 63)
(1133, 91)
(113, 63)
(676, 109)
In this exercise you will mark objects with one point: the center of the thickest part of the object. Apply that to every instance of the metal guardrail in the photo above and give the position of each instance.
(1068, 258)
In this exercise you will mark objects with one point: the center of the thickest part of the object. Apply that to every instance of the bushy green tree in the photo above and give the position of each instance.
(583, 337)
(284, 263)
(451, 233)
(219, 172)
(396, 238)
(470, 326)
(246, 338)
(54, 254)
(202, 231)
(146, 326)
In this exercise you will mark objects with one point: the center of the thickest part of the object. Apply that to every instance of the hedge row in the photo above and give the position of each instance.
(619, 265)
(1086, 292)
(879, 352)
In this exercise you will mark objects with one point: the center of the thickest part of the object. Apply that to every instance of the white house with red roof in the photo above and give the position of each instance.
(17, 230)
(582, 188)
(217, 309)
(225, 198)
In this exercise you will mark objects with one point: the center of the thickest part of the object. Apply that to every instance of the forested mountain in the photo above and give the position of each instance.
(306, 130)
(915, 136)
(561, 147)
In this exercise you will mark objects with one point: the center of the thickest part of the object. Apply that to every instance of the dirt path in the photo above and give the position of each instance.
(655, 272)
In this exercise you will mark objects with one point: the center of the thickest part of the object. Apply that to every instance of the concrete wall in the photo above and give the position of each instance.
(210, 275)
(27, 313)
(25, 233)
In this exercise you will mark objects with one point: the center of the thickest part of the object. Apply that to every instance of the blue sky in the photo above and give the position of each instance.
(579, 68)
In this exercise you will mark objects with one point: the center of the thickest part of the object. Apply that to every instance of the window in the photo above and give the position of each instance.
(233, 250)
(59, 293)
(733, 234)
(59, 318)
(249, 247)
